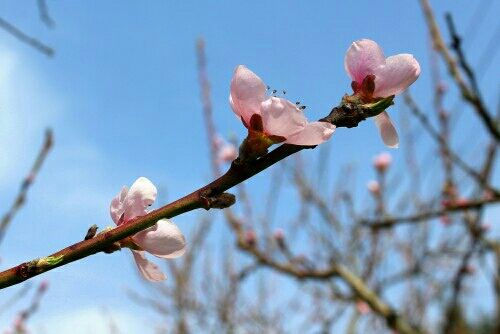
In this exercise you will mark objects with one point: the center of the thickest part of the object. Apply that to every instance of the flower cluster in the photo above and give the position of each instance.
(271, 120)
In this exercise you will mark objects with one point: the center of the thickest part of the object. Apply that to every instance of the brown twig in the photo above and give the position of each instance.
(426, 215)
(28, 181)
(207, 105)
(457, 160)
(43, 12)
(24, 315)
(33, 42)
(342, 116)
(16, 297)
(469, 94)
(393, 320)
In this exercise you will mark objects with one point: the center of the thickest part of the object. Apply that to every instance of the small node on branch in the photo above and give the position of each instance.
(115, 246)
(220, 201)
(91, 232)
(348, 115)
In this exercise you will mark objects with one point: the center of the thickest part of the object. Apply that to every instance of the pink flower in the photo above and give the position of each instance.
(277, 119)
(375, 76)
(382, 161)
(374, 187)
(164, 239)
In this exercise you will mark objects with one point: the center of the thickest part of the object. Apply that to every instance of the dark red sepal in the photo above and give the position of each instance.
(256, 123)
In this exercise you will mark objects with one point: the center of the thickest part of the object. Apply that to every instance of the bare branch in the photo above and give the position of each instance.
(31, 41)
(28, 181)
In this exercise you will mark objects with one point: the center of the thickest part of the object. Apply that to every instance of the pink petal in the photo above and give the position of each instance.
(281, 117)
(395, 75)
(387, 130)
(140, 196)
(362, 58)
(314, 133)
(164, 239)
(247, 93)
(148, 270)
(117, 208)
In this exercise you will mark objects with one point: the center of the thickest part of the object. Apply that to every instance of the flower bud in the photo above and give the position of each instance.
(362, 307)
(279, 234)
(374, 187)
(382, 161)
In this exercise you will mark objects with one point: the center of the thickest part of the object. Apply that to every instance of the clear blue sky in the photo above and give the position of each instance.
(122, 96)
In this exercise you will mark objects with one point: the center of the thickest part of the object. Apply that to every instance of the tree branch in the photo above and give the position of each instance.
(469, 94)
(426, 215)
(28, 181)
(33, 42)
(342, 116)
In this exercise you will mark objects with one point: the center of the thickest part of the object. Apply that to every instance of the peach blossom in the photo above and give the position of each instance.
(164, 239)
(276, 118)
(391, 76)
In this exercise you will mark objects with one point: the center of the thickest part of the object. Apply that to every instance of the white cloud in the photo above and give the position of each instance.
(27, 106)
(92, 320)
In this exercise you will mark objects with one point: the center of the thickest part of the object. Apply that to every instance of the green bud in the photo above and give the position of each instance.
(49, 261)
(374, 108)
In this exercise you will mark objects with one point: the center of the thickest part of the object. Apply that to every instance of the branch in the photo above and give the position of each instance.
(15, 298)
(469, 94)
(415, 218)
(442, 141)
(43, 12)
(207, 104)
(33, 42)
(28, 181)
(23, 316)
(342, 116)
(393, 319)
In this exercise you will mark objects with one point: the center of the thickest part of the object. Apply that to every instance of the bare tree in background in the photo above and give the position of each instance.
(405, 256)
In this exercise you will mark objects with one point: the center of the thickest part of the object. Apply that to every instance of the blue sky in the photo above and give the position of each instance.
(122, 96)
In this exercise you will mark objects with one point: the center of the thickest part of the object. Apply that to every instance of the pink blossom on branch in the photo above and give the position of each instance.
(272, 119)
(164, 239)
(376, 77)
